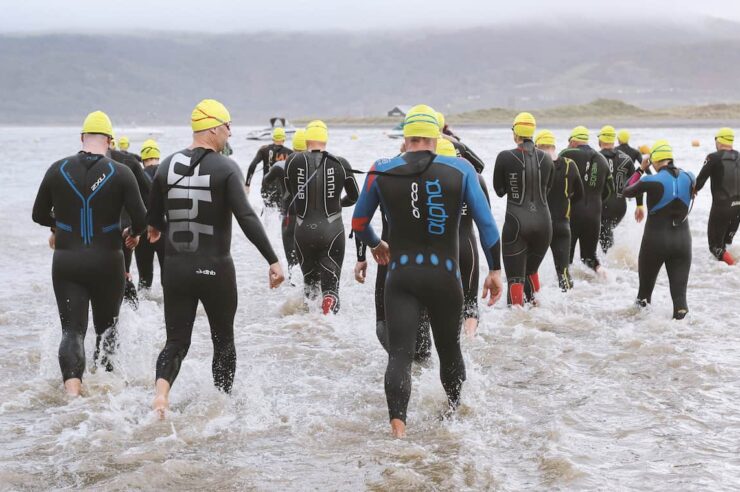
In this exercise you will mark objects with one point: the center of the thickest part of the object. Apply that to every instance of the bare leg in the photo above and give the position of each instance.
(162, 397)
(73, 386)
(471, 326)
(398, 428)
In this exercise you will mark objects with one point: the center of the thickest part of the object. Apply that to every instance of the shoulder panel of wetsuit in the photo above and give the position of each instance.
(350, 184)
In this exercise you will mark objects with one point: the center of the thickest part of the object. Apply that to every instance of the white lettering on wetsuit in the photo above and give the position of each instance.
(97, 183)
(414, 200)
(330, 182)
(195, 188)
(514, 186)
(301, 183)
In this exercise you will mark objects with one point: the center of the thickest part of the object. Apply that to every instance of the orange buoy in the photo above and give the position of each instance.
(695, 143)
(644, 149)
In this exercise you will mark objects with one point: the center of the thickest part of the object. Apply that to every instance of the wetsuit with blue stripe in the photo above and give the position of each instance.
(422, 195)
(667, 237)
(82, 197)
(525, 176)
(723, 168)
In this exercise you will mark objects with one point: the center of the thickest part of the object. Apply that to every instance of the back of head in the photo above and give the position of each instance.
(150, 150)
(421, 122)
(123, 142)
(579, 135)
(445, 148)
(317, 131)
(725, 136)
(299, 140)
(607, 135)
(208, 114)
(623, 136)
(278, 134)
(441, 120)
(97, 123)
(661, 153)
(524, 126)
(545, 138)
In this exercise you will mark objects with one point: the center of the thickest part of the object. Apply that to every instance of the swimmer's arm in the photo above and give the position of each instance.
(361, 248)
(575, 182)
(473, 158)
(253, 167)
(277, 172)
(352, 193)
(499, 176)
(155, 207)
(141, 179)
(250, 224)
(636, 186)
(631, 166)
(551, 179)
(484, 187)
(132, 202)
(489, 234)
(608, 187)
(705, 173)
(365, 208)
(42, 207)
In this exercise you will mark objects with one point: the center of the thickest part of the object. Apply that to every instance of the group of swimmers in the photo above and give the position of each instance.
(429, 196)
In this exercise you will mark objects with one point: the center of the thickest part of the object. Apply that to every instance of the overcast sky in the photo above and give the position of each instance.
(273, 15)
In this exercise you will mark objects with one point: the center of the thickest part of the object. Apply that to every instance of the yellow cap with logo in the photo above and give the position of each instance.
(208, 114)
(149, 150)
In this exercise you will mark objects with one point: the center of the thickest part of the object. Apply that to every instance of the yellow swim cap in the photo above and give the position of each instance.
(524, 125)
(98, 122)
(608, 134)
(149, 150)
(123, 143)
(545, 137)
(623, 136)
(278, 134)
(445, 147)
(208, 114)
(661, 151)
(579, 133)
(299, 140)
(440, 120)
(725, 136)
(421, 121)
(316, 131)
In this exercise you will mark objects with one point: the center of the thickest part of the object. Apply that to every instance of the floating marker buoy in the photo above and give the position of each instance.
(644, 149)
(695, 143)
(354, 137)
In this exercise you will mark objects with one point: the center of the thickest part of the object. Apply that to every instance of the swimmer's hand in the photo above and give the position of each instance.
(492, 287)
(131, 241)
(645, 163)
(53, 240)
(640, 213)
(382, 253)
(361, 271)
(153, 233)
(276, 275)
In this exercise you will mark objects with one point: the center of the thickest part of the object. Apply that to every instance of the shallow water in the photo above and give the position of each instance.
(585, 392)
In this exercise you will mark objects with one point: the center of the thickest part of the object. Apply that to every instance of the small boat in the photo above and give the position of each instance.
(397, 131)
(266, 133)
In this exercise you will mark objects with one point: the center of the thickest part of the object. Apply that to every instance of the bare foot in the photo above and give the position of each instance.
(162, 398)
(471, 326)
(398, 428)
(601, 272)
(73, 386)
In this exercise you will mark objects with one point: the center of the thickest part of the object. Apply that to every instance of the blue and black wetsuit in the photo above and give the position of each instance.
(615, 207)
(667, 237)
(194, 195)
(81, 198)
(146, 250)
(525, 176)
(422, 195)
(315, 181)
(723, 167)
(268, 155)
(566, 189)
(585, 217)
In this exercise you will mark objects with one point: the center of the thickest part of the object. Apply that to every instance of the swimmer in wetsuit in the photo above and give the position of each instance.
(566, 189)
(268, 155)
(598, 185)
(615, 207)
(422, 195)
(81, 198)
(525, 176)
(194, 195)
(623, 136)
(315, 180)
(123, 146)
(667, 237)
(146, 250)
(287, 206)
(723, 167)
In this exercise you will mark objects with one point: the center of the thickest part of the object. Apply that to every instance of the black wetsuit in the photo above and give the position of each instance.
(567, 188)
(197, 191)
(585, 217)
(144, 186)
(268, 155)
(467, 154)
(287, 212)
(81, 198)
(667, 237)
(633, 154)
(525, 176)
(469, 262)
(615, 207)
(723, 167)
(422, 195)
(146, 250)
(131, 154)
(315, 181)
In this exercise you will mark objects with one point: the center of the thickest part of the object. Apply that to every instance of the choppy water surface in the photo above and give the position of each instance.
(584, 392)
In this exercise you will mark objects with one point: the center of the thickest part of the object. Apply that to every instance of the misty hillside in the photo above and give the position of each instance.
(151, 78)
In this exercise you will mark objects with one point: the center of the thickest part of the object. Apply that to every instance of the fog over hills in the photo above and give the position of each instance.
(151, 78)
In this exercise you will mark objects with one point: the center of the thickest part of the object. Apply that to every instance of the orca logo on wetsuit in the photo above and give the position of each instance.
(414, 200)
(437, 215)
(196, 189)
(97, 183)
